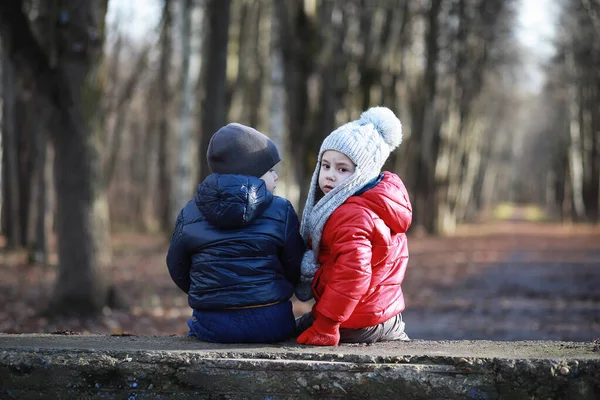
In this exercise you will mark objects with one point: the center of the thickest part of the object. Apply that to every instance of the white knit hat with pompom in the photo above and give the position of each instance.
(368, 142)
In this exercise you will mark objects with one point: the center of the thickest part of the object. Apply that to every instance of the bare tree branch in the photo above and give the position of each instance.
(121, 107)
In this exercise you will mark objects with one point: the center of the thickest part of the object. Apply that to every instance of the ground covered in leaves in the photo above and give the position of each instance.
(503, 281)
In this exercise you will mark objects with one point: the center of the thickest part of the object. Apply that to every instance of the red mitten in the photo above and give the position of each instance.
(323, 332)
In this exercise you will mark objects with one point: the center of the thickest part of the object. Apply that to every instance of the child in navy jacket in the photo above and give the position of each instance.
(236, 248)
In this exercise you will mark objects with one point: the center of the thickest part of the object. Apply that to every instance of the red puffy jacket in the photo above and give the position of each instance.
(363, 256)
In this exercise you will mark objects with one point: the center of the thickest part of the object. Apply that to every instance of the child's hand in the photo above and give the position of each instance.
(323, 332)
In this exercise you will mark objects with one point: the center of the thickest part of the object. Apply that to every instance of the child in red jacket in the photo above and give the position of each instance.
(355, 222)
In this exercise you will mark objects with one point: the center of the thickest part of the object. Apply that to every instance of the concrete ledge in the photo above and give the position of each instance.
(107, 367)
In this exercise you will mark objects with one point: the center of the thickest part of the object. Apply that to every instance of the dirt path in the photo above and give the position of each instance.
(498, 282)
(514, 282)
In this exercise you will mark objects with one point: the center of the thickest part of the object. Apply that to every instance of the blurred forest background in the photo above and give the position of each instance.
(108, 106)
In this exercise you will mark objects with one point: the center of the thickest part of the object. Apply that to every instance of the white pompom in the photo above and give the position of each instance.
(386, 123)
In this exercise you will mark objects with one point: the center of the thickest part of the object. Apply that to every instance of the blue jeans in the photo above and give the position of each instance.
(268, 324)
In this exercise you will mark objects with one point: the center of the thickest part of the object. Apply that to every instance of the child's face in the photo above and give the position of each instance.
(335, 168)
(270, 178)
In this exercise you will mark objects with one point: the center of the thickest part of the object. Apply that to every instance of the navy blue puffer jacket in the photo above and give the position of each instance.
(235, 245)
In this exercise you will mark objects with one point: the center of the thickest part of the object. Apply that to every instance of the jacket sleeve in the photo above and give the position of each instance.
(293, 248)
(405, 214)
(178, 258)
(350, 277)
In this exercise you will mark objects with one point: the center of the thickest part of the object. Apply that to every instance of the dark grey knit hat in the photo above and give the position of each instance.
(240, 149)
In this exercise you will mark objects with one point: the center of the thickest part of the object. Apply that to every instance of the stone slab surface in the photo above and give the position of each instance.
(34, 366)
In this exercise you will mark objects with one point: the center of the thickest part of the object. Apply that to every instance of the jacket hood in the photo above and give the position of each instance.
(389, 200)
(232, 201)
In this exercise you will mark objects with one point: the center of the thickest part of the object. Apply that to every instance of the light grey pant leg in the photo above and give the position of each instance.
(392, 329)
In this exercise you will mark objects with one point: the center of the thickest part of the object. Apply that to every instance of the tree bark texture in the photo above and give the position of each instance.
(214, 103)
(11, 202)
(69, 89)
(164, 200)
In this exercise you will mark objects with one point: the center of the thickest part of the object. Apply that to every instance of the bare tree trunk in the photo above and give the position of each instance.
(146, 212)
(239, 53)
(427, 133)
(37, 239)
(164, 171)
(122, 106)
(3, 59)
(575, 156)
(47, 231)
(10, 168)
(255, 71)
(183, 184)
(82, 284)
(472, 155)
(447, 165)
(395, 91)
(590, 145)
(451, 160)
(562, 183)
(277, 104)
(26, 135)
(297, 31)
(214, 107)
(331, 60)
(595, 156)
(3, 55)
(277, 108)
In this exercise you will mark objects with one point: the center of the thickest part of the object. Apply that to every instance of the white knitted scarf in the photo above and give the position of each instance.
(314, 218)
